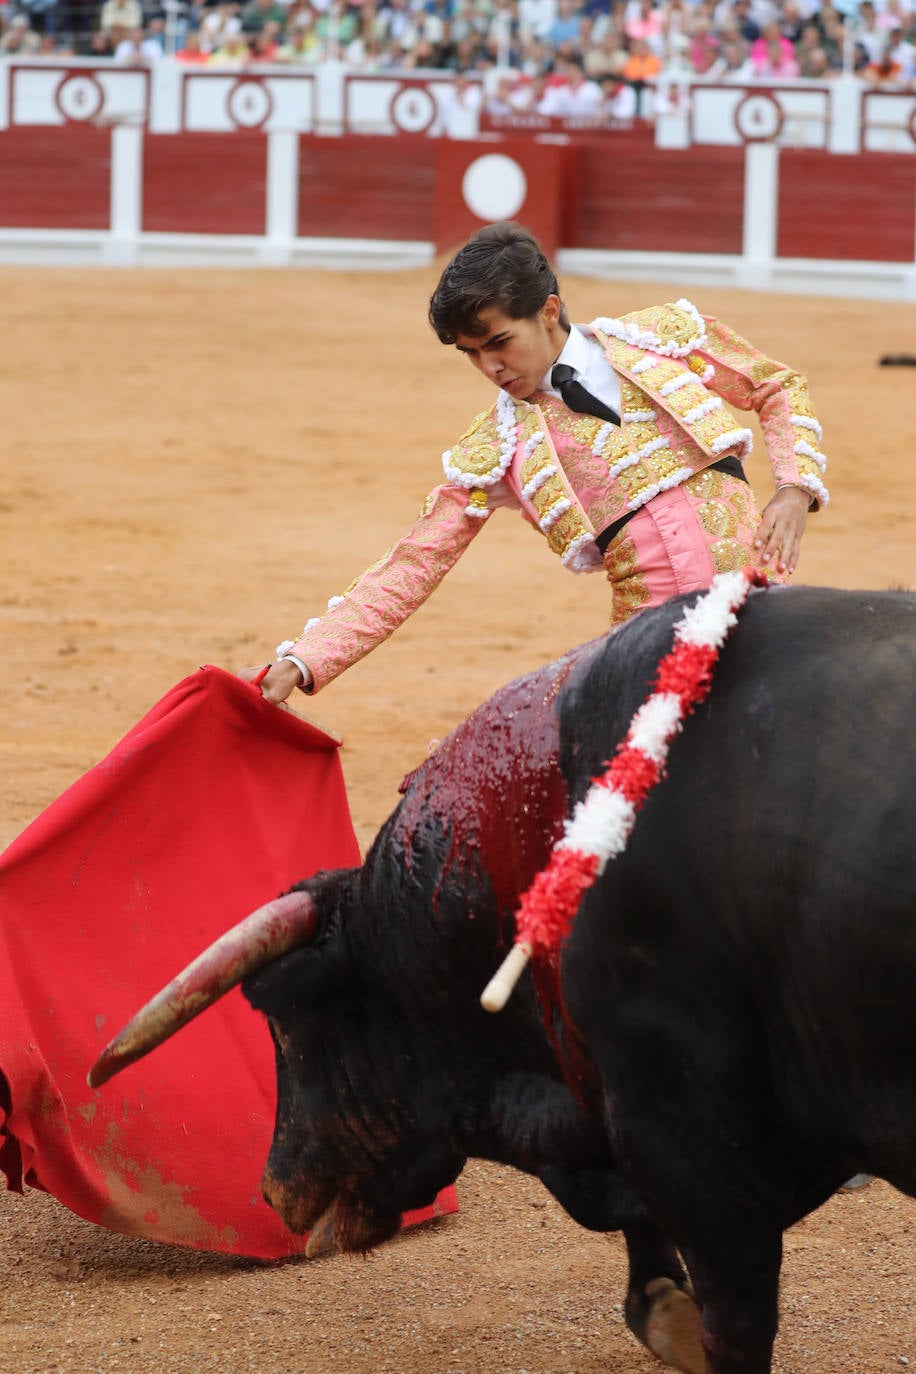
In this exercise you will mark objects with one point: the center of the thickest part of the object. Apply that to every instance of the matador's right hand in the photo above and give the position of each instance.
(278, 683)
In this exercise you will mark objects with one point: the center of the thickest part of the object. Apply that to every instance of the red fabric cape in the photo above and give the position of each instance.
(214, 803)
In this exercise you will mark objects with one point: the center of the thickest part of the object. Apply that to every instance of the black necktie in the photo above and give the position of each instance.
(577, 397)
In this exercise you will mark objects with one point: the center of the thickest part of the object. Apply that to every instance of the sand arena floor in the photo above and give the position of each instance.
(191, 464)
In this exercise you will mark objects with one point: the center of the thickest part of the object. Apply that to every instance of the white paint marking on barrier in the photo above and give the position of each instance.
(494, 187)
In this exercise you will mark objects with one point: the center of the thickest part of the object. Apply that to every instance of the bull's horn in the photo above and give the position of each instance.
(271, 931)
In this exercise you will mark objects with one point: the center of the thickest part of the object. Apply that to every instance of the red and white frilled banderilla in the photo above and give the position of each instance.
(602, 821)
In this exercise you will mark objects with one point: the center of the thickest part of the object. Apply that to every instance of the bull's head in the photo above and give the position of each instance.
(343, 1064)
(389, 1072)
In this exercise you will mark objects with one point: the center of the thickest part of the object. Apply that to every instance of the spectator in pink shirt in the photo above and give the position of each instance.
(773, 55)
(644, 22)
(704, 45)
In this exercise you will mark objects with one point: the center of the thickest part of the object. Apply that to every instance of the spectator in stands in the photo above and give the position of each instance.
(133, 48)
(302, 47)
(738, 13)
(20, 39)
(303, 15)
(895, 14)
(400, 25)
(121, 14)
(618, 99)
(460, 104)
(265, 45)
(677, 19)
(527, 94)
(535, 18)
(463, 55)
(219, 24)
(191, 54)
(575, 96)
(774, 62)
(499, 102)
(814, 63)
(504, 24)
(434, 21)
(886, 71)
(466, 22)
(829, 22)
(41, 15)
(734, 60)
(232, 54)
(100, 44)
(424, 56)
(370, 55)
(567, 26)
(813, 58)
(51, 46)
(791, 21)
(642, 65)
(867, 31)
(257, 13)
(703, 46)
(772, 55)
(154, 35)
(904, 49)
(335, 27)
(645, 22)
(609, 57)
(535, 57)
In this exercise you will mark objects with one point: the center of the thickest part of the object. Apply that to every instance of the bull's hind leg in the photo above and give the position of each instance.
(660, 1308)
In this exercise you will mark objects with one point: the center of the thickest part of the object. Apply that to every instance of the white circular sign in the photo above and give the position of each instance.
(758, 117)
(413, 109)
(494, 187)
(249, 104)
(80, 97)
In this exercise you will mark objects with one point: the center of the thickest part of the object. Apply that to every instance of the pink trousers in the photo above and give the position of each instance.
(680, 540)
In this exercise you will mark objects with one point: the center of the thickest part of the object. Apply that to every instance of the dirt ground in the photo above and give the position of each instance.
(191, 464)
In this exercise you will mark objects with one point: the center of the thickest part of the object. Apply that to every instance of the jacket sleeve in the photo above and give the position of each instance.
(745, 378)
(388, 592)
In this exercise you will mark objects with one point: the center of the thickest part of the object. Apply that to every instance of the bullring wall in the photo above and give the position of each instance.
(750, 186)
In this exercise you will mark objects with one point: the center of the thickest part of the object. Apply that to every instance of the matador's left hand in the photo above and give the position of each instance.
(781, 527)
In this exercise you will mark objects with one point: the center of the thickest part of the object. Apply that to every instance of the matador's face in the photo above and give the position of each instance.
(515, 354)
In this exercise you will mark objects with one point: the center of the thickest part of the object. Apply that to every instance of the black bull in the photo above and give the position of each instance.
(730, 1031)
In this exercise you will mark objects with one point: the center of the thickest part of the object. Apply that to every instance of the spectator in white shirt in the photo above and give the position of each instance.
(120, 14)
(575, 96)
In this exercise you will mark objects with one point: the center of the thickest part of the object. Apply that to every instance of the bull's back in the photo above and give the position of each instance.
(769, 886)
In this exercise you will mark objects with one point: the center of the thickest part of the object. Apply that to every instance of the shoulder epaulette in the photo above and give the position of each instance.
(672, 330)
(484, 452)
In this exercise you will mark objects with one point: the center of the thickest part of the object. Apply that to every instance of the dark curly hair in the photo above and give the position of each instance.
(501, 266)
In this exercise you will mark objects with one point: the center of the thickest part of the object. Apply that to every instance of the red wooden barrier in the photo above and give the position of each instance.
(849, 208)
(55, 178)
(634, 197)
(363, 187)
(204, 183)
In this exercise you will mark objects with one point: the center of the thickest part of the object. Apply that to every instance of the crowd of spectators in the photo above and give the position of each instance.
(564, 57)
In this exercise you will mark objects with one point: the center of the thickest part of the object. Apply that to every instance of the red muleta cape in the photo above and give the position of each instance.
(213, 804)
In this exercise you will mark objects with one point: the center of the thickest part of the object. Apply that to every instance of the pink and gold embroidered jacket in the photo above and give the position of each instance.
(572, 475)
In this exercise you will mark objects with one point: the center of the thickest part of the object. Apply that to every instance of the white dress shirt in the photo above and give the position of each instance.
(592, 368)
